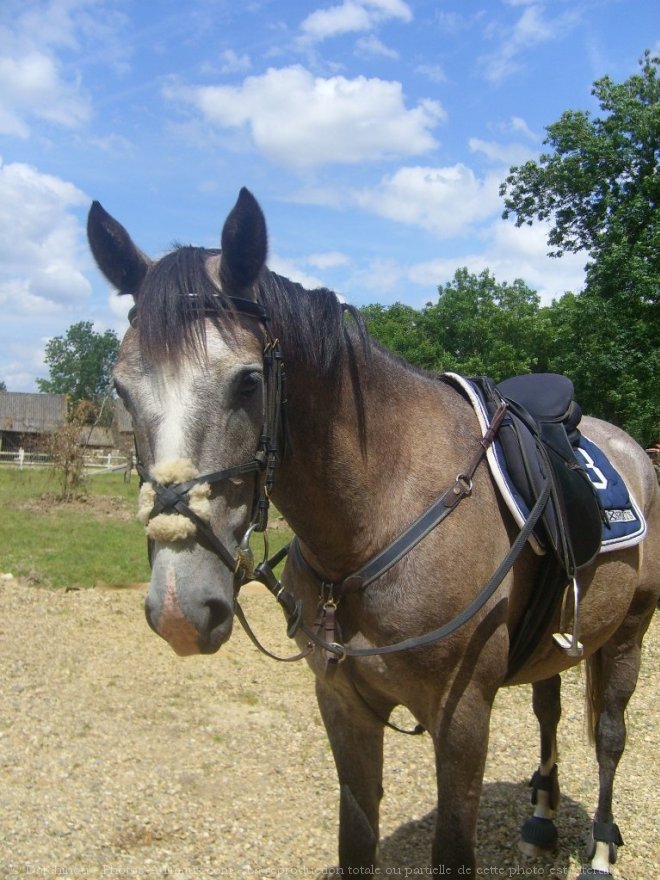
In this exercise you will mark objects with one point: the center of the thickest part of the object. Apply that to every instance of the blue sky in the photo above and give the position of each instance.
(374, 133)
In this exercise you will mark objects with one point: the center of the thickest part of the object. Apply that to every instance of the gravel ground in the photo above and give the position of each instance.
(118, 759)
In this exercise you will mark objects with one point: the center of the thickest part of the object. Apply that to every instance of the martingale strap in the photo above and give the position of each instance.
(382, 562)
(341, 651)
(416, 531)
(293, 608)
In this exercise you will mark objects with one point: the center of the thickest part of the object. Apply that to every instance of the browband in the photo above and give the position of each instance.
(239, 304)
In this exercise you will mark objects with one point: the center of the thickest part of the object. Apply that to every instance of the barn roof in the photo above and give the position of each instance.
(31, 413)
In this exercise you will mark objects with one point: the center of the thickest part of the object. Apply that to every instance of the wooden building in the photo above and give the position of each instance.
(27, 421)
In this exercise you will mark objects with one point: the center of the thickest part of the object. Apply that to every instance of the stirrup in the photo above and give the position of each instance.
(570, 642)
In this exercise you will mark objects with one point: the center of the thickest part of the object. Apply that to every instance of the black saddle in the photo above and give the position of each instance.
(538, 439)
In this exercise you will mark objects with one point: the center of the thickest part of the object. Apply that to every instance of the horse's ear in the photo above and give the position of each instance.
(244, 245)
(122, 263)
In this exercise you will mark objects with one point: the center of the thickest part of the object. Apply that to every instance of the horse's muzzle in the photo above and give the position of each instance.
(200, 624)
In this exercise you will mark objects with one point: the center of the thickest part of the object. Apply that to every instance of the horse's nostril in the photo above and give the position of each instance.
(150, 613)
(217, 626)
(219, 612)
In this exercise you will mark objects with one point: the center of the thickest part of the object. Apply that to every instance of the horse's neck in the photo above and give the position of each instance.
(347, 491)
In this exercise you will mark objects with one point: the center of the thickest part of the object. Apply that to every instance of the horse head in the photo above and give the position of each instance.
(191, 373)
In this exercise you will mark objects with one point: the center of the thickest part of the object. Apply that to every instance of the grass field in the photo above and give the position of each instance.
(95, 539)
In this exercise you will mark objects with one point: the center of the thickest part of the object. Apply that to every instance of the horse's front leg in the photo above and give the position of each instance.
(539, 833)
(356, 739)
(460, 738)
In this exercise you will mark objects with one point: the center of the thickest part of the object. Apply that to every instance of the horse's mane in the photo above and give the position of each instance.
(311, 323)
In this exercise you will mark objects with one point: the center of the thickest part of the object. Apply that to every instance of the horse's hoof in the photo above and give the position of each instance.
(537, 836)
(529, 851)
(586, 873)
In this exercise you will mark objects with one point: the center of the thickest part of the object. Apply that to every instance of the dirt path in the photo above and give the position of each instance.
(117, 759)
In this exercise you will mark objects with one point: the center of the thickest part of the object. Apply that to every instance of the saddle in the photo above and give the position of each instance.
(536, 442)
(539, 440)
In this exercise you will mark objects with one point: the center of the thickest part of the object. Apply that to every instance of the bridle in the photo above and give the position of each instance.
(172, 498)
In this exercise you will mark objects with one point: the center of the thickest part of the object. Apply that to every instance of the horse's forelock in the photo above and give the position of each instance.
(174, 295)
(310, 323)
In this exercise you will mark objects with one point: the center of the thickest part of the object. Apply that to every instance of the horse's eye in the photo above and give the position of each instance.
(249, 384)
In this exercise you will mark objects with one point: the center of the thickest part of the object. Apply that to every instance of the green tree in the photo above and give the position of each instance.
(401, 329)
(81, 363)
(485, 327)
(609, 349)
(478, 326)
(3, 386)
(599, 189)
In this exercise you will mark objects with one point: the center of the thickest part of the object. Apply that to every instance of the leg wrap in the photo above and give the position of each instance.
(539, 832)
(606, 832)
(549, 783)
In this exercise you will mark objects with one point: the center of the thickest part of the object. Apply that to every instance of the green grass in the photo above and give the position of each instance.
(61, 545)
(79, 544)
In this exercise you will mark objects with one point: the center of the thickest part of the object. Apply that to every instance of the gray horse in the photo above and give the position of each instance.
(368, 444)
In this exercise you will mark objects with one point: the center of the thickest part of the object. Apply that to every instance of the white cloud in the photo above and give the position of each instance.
(291, 269)
(32, 85)
(530, 29)
(382, 276)
(511, 252)
(34, 82)
(352, 16)
(21, 363)
(445, 201)
(301, 121)
(41, 242)
(434, 72)
(232, 62)
(328, 260)
(506, 154)
(371, 45)
(520, 126)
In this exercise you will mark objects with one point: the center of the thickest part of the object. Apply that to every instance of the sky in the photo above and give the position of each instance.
(374, 133)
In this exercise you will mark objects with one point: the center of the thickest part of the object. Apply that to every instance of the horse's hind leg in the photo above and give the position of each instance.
(612, 677)
(356, 739)
(539, 833)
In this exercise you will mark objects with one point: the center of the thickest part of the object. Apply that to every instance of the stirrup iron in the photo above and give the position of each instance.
(570, 642)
